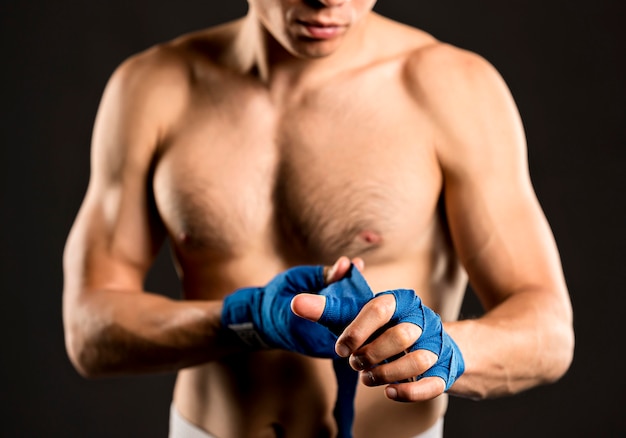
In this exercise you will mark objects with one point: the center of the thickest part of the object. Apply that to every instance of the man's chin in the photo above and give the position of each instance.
(314, 49)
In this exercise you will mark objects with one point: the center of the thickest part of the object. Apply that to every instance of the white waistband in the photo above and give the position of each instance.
(180, 427)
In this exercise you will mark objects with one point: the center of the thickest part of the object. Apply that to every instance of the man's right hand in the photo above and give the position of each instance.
(262, 316)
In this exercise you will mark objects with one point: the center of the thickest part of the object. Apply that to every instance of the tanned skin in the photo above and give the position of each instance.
(313, 132)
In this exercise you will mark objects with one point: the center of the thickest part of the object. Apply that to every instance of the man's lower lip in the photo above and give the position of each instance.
(322, 32)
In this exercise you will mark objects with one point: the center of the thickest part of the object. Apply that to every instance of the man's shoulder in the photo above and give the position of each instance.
(176, 63)
(155, 87)
(443, 77)
(441, 64)
(464, 95)
(426, 58)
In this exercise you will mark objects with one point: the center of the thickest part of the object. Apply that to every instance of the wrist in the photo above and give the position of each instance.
(238, 320)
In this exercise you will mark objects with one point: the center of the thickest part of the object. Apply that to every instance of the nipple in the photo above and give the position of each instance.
(371, 237)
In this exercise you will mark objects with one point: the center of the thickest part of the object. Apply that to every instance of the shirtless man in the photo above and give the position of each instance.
(306, 131)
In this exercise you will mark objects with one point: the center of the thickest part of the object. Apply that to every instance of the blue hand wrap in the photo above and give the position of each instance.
(262, 316)
(409, 308)
(344, 300)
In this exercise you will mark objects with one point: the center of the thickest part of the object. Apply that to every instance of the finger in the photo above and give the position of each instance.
(299, 279)
(373, 316)
(393, 341)
(424, 389)
(337, 271)
(404, 368)
(359, 263)
(308, 306)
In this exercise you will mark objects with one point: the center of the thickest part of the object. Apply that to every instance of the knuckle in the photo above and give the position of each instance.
(405, 335)
(423, 360)
(406, 392)
(375, 352)
(430, 358)
(414, 392)
(352, 337)
(382, 374)
(378, 310)
(382, 307)
(389, 301)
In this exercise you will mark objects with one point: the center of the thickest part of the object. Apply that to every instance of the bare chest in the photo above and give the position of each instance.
(332, 175)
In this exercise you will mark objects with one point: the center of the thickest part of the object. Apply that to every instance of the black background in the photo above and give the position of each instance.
(564, 62)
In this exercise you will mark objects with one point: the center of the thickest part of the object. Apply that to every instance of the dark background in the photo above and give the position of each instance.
(564, 62)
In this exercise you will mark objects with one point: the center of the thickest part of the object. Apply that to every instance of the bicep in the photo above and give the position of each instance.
(117, 232)
(111, 245)
(502, 237)
(498, 227)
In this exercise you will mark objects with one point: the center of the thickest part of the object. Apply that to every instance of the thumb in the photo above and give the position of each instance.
(308, 306)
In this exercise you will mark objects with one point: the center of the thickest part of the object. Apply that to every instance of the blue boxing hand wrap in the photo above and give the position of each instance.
(262, 316)
(344, 300)
(409, 308)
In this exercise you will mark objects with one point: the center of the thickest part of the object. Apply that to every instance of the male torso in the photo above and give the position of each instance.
(253, 177)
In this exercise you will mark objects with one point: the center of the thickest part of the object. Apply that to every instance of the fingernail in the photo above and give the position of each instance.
(391, 393)
(357, 362)
(370, 376)
(343, 350)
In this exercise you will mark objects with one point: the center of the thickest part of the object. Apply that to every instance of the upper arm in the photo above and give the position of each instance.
(497, 225)
(117, 231)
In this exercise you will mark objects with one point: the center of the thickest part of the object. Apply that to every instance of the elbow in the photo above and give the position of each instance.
(84, 352)
(74, 354)
(83, 368)
(560, 355)
(80, 357)
(565, 354)
(83, 336)
(556, 341)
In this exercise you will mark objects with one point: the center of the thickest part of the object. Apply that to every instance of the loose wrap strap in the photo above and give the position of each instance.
(262, 318)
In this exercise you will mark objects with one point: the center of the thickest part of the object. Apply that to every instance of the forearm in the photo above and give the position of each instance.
(111, 332)
(525, 341)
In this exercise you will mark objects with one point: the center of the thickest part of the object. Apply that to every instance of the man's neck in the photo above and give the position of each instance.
(258, 51)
